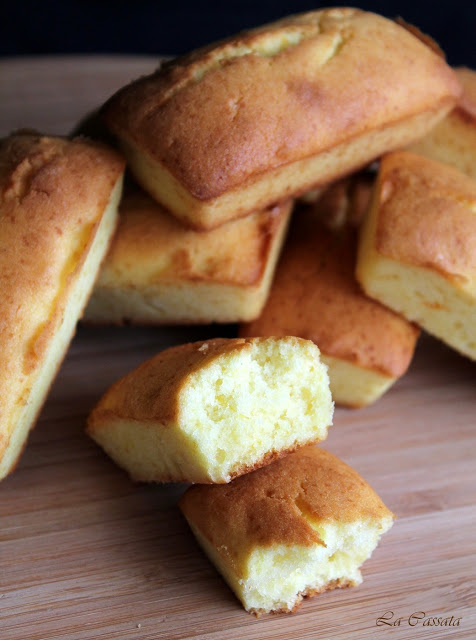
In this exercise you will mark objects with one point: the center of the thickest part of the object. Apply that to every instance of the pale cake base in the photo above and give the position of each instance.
(34, 395)
(189, 303)
(422, 296)
(352, 385)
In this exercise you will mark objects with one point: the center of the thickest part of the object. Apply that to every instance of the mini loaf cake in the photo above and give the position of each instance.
(342, 86)
(296, 528)
(315, 295)
(158, 271)
(210, 411)
(417, 251)
(453, 140)
(58, 210)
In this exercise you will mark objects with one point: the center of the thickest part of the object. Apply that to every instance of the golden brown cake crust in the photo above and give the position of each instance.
(427, 215)
(53, 193)
(315, 295)
(203, 116)
(151, 247)
(265, 507)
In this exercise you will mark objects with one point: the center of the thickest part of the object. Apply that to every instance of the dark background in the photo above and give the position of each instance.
(172, 27)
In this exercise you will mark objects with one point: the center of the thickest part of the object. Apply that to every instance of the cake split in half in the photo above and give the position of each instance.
(296, 528)
(210, 411)
(417, 251)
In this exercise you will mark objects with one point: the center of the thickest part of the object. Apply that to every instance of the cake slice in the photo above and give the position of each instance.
(315, 295)
(273, 112)
(209, 411)
(158, 271)
(58, 211)
(417, 251)
(298, 527)
(453, 140)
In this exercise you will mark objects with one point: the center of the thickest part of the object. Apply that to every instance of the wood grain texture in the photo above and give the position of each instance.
(85, 553)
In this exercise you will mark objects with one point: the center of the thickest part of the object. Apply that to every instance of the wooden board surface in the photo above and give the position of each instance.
(84, 553)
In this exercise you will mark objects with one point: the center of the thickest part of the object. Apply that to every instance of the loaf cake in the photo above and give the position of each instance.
(315, 295)
(159, 271)
(298, 527)
(58, 210)
(453, 140)
(417, 252)
(210, 411)
(273, 112)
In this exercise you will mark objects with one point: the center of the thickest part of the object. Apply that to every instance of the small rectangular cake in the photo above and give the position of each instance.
(270, 113)
(58, 211)
(210, 411)
(315, 295)
(298, 527)
(158, 271)
(417, 251)
(453, 140)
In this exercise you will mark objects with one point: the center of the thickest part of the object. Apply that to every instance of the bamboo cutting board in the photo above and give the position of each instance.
(84, 553)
